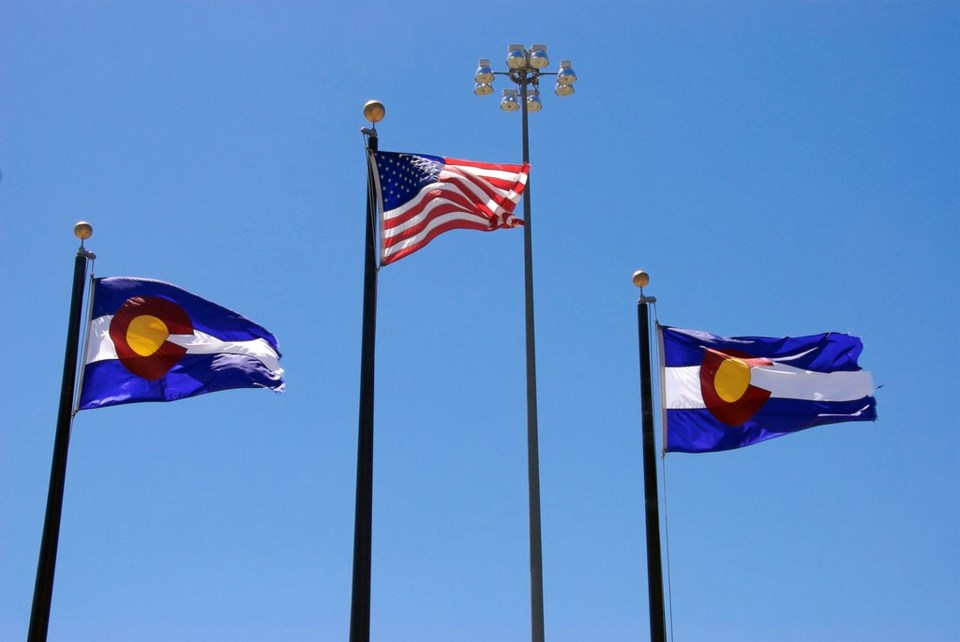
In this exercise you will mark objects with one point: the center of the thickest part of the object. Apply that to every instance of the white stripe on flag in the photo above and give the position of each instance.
(501, 174)
(419, 198)
(390, 250)
(463, 189)
(400, 230)
(682, 384)
(468, 186)
(101, 346)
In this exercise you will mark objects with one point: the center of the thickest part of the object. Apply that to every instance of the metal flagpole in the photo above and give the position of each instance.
(47, 562)
(373, 111)
(652, 513)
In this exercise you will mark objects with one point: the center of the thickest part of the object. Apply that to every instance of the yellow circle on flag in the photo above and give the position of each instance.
(732, 379)
(146, 333)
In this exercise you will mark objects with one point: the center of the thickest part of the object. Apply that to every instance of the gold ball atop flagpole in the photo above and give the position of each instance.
(641, 279)
(374, 111)
(82, 230)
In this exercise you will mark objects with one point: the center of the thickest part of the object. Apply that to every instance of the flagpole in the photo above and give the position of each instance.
(47, 562)
(373, 111)
(651, 501)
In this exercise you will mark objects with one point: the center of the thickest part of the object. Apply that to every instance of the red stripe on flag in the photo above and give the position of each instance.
(440, 229)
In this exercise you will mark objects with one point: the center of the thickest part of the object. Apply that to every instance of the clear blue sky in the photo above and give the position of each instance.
(778, 167)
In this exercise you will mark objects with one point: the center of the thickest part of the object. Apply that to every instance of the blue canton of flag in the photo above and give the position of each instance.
(151, 341)
(423, 196)
(722, 393)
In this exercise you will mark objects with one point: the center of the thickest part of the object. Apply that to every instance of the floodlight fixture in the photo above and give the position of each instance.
(484, 74)
(566, 75)
(533, 100)
(538, 56)
(509, 100)
(516, 57)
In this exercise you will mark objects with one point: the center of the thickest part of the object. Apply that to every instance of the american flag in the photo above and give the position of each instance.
(423, 196)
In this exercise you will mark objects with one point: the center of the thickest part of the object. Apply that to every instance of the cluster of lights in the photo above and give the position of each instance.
(525, 68)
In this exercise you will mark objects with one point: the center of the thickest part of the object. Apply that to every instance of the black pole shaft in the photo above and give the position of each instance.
(654, 565)
(47, 563)
(363, 518)
(533, 440)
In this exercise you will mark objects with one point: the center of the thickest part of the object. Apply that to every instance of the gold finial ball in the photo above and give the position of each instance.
(374, 111)
(82, 230)
(641, 279)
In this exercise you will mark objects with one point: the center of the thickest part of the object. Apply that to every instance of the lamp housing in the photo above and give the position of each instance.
(484, 73)
(509, 100)
(534, 104)
(516, 57)
(566, 75)
(538, 56)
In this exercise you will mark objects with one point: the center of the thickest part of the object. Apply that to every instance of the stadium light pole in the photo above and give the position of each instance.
(526, 67)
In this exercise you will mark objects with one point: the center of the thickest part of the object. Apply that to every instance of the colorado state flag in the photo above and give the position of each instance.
(722, 393)
(151, 341)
